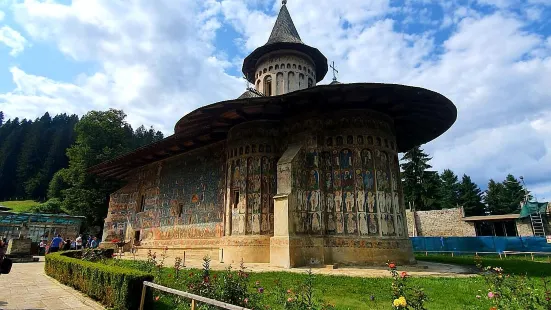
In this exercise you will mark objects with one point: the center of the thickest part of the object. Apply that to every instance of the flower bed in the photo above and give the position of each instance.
(115, 287)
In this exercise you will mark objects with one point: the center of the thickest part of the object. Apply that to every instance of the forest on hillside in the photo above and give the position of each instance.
(46, 160)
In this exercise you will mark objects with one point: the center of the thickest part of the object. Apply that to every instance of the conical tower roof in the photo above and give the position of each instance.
(284, 29)
(285, 36)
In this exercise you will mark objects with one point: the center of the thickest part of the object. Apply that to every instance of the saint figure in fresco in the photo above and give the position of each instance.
(363, 224)
(360, 201)
(256, 223)
(371, 202)
(315, 200)
(338, 201)
(241, 224)
(381, 201)
(396, 203)
(373, 224)
(331, 222)
(394, 181)
(346, 159)
(349, 202)
(336, 160)
(400, 225)
(348, 180)
(330, 202)
(368, 180)
(336, 179)
(351, 223)
(384, 224)
(314, 179)
(316, 226)
(328, 181)
(391, 230)
(389, 208)
(340, 224)
(358, 178)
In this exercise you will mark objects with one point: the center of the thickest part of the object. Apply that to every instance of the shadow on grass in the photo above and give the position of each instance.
(510, 265)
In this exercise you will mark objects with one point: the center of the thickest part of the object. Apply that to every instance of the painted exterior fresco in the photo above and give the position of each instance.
(349, 182)
(252, 179)
(181, 198)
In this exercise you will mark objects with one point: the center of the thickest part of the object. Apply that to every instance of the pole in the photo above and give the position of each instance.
(142, 300)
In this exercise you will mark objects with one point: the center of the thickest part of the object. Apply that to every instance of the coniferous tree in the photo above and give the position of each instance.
(449, 189)
(1, 118)
(512, 196)
(431, 195)
(470, 197)
(494, 197)
(414, 177)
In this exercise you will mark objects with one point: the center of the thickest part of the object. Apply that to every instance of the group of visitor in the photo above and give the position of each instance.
(58, 244)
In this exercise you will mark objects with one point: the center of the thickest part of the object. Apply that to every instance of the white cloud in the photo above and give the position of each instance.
(12, 39)
(2, 14)
(159, 61)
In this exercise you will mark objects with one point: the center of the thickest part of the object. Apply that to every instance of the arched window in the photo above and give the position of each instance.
(282, 66)
(301, 81)
(280, 90)
(294, 66)
(265, 70)
(277, 67)
(304, 69)
(299, 67)
(291, 82)
(271, 68)
(258, 85)
(288, 66)
(268, 85)
(310, 83)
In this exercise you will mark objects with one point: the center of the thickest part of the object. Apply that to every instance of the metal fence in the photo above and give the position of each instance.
(481, 244)
(194, 298)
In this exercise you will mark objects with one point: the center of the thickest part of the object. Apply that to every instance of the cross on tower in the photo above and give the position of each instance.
(335, 71)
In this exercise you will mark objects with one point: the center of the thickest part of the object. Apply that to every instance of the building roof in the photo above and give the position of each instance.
(250, 93)
(20, 218)
(419, 116)
(285, 36)
(284, 29)
(491, 217)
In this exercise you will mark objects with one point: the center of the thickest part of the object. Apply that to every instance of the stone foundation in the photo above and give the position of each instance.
(250, 249)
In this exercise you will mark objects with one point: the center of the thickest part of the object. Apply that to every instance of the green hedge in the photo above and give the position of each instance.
(115, 287)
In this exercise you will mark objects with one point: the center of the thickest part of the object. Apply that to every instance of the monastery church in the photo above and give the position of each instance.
(291, 173)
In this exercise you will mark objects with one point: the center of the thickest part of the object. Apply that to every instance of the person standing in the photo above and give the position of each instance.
(78, 242)
(42, 247)
(56, 243)
(94, 243)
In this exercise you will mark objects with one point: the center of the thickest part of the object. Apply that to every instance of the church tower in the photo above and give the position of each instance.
(284, 64)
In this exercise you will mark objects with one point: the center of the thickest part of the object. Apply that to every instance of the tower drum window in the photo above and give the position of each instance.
(268, 85)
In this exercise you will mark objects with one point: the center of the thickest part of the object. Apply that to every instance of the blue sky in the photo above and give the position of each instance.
(158, 60)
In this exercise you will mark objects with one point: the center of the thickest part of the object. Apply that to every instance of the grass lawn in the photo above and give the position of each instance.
(19, 206)
(354, 293)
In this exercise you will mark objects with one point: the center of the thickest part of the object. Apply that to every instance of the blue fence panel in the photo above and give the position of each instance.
(480, 244)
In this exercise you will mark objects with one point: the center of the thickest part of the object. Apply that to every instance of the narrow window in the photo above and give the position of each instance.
(310, 83)
(268, 86)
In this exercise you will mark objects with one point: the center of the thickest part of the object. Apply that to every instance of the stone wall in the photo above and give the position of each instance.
(446, 223)
(280, 73)
(524, 227)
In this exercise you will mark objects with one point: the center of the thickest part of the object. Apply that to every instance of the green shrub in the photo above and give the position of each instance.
(115, 287)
